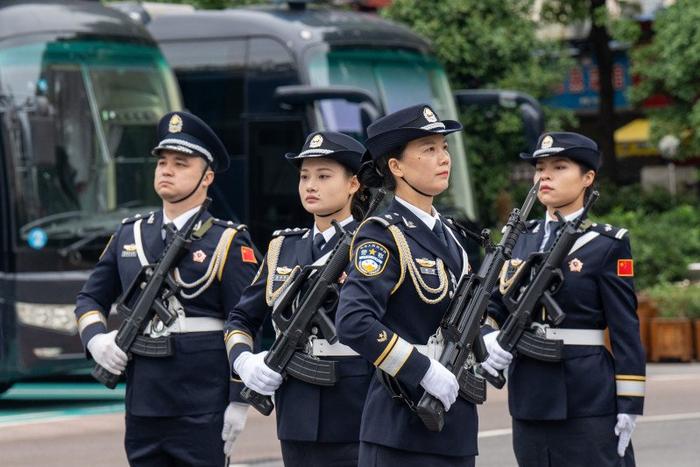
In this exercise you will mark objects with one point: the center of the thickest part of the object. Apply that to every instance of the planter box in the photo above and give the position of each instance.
(671, 338)
(646, 310)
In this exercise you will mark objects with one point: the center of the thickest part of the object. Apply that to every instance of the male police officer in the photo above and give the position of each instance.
(175, 404)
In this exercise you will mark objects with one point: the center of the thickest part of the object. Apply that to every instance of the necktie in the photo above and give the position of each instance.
(439, 230)
(553, 229)
(169, 230)
(319, 241)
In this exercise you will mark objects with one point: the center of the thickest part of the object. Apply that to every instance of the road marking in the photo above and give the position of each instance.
(677, 377)
(674, 417)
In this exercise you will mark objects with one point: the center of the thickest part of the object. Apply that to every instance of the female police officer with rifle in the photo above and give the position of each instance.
(320, 402)
(572, 402)
(177, 378)
(406, 264)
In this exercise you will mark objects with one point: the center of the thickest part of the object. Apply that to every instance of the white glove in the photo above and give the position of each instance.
(441, 383)
(498, 359)
(106, 353)
(256, 374)
(234, 422)
(623, 429)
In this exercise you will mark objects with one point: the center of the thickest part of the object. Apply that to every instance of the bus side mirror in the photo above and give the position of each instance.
(530, 110)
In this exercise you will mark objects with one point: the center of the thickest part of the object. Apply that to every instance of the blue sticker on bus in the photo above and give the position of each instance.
(37, 238)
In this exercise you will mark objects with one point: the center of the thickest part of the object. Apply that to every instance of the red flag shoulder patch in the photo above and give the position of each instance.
(625, 267)
(248, 255)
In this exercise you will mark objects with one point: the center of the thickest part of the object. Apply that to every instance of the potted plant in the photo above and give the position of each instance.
(672, 330)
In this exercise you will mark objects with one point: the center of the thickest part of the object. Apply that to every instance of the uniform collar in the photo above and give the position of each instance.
(330, 231)
(427, 219)
(182, 219)
(548, 220)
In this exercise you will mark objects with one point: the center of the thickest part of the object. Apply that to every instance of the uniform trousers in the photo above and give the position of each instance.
(315, 454)
(192, 441)
(584, 442)
(375, 455)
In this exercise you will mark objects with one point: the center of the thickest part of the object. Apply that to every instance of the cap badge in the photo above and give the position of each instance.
(316, 141)
(547, 142)
(175, 124)
(429, 115)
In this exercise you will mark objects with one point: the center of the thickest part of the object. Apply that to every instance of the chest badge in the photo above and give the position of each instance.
(283, 270)
(575, 265)
(129, 251)
(199, 256)
(425, 262)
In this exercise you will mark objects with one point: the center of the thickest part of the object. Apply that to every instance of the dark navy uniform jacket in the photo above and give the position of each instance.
(598, 292)
(305, 412)
(382, 314)
(195, 379)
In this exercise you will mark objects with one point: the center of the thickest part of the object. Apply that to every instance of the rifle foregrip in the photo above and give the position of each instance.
(431, 412)
(101, 374)
(496, 381)
(261, 403)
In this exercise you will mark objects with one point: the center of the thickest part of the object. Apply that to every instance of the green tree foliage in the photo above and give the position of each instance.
(670, 65)
(489, 44)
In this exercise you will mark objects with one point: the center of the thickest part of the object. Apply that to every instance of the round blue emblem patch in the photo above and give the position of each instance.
(371, 258)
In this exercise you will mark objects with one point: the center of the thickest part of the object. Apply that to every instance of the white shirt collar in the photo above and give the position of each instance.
(428, 219)
(182, 219)
(330, 231)
(549, 220)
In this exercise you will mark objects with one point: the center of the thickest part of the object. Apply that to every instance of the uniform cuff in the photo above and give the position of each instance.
(403, 361)
(89, 332)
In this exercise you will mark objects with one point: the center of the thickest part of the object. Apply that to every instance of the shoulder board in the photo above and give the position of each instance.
(386, 219)
(609, 231)
(228, 224)
(289, 232)
(129, 220)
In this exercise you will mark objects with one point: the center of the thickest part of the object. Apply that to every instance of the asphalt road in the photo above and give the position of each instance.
(82, 424)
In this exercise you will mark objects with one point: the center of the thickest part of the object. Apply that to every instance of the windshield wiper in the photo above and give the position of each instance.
(84, 241)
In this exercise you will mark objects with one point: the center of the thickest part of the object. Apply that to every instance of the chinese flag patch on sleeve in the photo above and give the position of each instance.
(625, 267)
(248, 255)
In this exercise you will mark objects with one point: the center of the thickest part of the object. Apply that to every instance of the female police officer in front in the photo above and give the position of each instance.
(317, 425)
(579, 411)
(405, 266)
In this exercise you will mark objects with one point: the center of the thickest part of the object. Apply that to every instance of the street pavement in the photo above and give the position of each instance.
(82, 424)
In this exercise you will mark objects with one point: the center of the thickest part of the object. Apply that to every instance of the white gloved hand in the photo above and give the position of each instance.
(441, 383)
(499, 359)
(106, 353)
(234, 421)
(623, 429)
(256, 374)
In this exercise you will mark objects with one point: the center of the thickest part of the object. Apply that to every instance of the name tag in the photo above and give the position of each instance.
(428, 271)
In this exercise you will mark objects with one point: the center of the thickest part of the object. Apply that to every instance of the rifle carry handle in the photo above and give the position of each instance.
(259, 402)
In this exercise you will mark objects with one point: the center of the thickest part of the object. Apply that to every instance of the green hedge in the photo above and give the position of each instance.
(663, 243)
(676, 300)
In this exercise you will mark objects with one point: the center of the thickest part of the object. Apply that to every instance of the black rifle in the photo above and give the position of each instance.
(533, 286)
(302, 307)
(462, 321)
(148, 296)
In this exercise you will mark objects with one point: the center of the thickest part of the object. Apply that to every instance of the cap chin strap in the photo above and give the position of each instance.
(334, 212)
(195, 187)
(416, 189)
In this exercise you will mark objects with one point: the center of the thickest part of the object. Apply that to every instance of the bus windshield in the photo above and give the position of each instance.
(399, 79)
(80, 119)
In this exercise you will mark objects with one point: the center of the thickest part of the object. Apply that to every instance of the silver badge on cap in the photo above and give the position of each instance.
(316, 141)
(547, 142)
(429, 115)
(175, 124)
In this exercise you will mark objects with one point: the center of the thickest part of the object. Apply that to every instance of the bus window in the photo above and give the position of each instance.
(218, 67)
(269, 65)
(79, 116)
(273, 180)
(399, 78)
